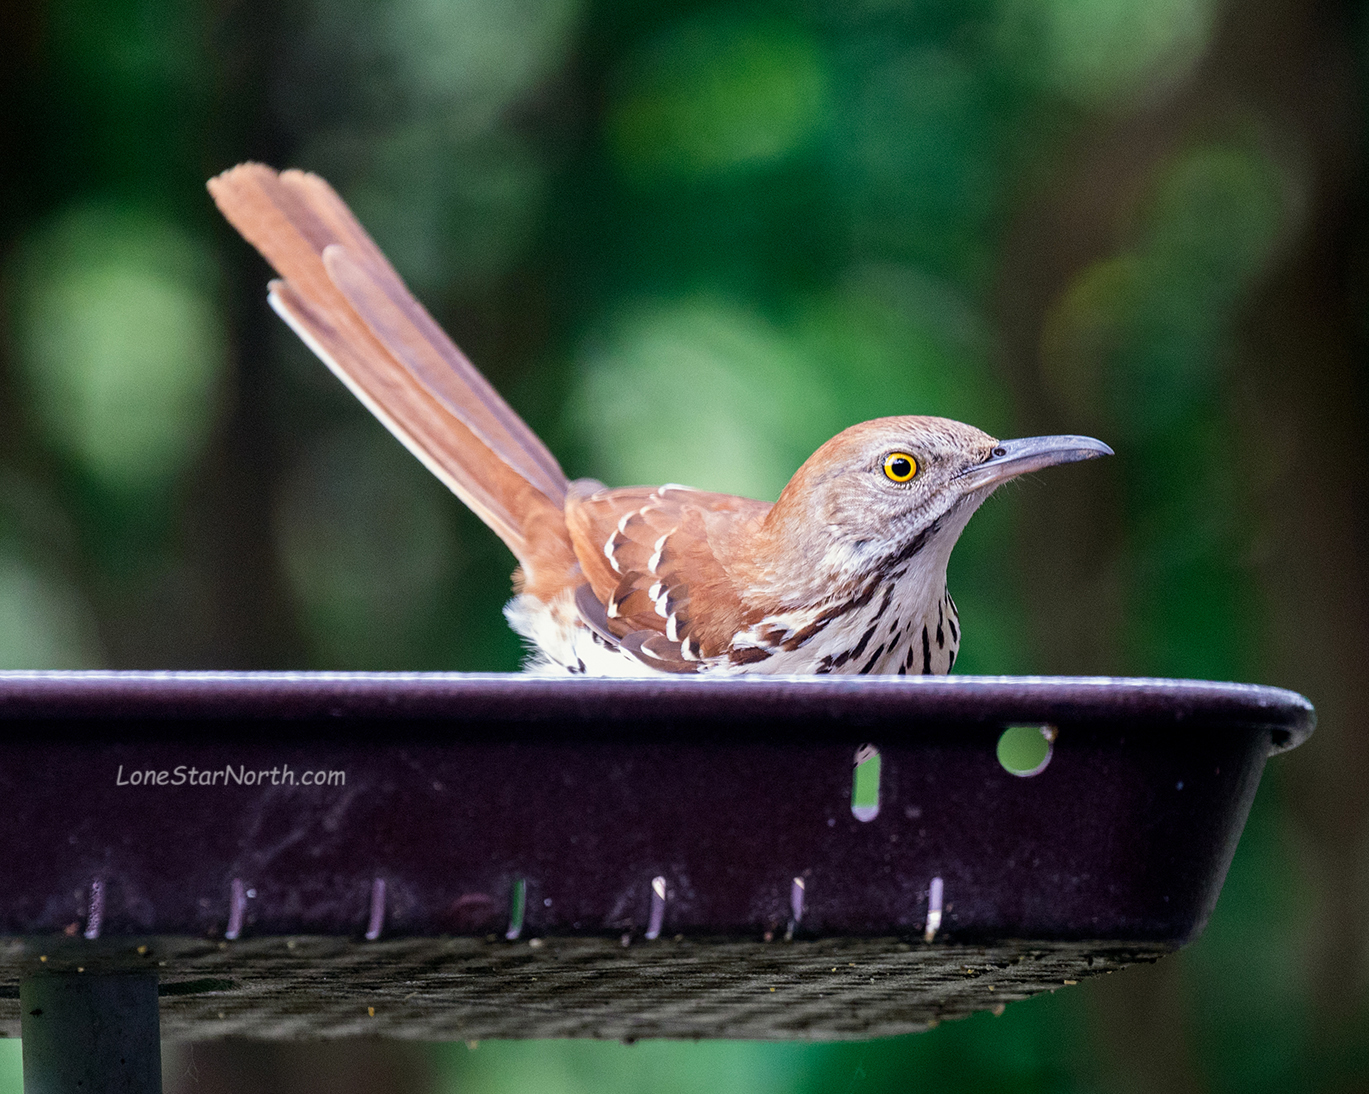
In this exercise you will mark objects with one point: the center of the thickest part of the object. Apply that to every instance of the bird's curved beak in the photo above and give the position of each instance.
(1012, 458)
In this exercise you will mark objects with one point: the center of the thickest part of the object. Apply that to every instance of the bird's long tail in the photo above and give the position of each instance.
(343, 298)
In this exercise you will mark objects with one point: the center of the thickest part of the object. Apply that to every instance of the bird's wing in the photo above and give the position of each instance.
(350, 307)
(655, 584)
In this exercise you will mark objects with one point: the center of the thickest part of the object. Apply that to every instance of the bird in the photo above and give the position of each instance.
(845, 573)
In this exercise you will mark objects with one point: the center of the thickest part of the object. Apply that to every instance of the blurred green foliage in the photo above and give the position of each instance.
(119, 343)
(719, 96)
(690, 242)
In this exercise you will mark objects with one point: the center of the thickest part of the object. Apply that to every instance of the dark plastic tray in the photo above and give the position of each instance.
(514, 856)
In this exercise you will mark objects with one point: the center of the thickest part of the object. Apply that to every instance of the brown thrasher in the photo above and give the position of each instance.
(845, 573)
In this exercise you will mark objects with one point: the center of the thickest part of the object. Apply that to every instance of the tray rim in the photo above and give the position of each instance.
(166, 694)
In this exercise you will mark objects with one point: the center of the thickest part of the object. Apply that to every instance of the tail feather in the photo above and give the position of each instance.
(338, 351)
(347, 303)
(402, 326)
(440, 365)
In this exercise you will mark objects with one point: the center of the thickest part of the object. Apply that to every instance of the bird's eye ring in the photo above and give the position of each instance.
(899, 466)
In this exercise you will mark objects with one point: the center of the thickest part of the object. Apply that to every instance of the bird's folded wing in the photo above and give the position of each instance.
(660, 588)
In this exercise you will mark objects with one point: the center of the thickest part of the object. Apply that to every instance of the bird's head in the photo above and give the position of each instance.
(878, 486)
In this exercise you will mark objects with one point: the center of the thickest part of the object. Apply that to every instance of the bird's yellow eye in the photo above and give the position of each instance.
(899, 466)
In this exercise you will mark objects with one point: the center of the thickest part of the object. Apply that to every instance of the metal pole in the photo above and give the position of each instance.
(91, 1034)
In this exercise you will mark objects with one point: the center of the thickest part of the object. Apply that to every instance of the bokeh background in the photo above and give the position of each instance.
(690, 242)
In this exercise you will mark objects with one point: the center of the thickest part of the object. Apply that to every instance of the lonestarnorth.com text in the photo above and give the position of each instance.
(181, 775)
